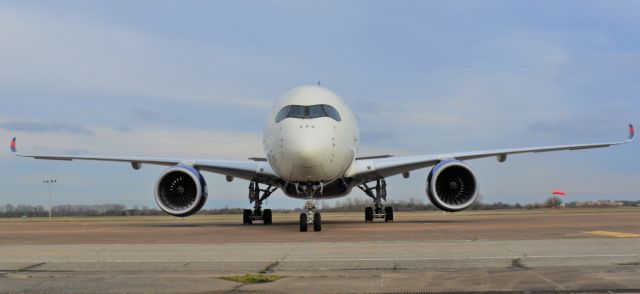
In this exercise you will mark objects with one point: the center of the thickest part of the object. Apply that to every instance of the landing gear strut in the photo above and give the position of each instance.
(256, 196)
(310, 216)
(377, 193)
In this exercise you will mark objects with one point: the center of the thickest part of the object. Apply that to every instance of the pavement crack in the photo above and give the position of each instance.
(516, 264)
(504, 246)
(396, 267)
(235, 289)
(270, 267)
(28, 268)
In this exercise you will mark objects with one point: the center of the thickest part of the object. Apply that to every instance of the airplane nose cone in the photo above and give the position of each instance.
(304, 155)
(307, 152)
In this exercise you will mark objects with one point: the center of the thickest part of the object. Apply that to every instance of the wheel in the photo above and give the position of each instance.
(246, 217)
(317, 222)
(303, 222)
(267, 217)
(388, 214)
(368, 214)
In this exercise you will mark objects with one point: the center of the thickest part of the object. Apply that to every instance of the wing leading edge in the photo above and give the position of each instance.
(365, 170)
(248, 170)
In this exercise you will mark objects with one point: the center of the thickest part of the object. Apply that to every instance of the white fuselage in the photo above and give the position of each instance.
(306, 149)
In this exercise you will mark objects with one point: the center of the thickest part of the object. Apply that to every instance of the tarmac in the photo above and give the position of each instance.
(562, 251)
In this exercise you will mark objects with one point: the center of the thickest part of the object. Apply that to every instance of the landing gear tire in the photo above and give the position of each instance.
(317, 222)
(368, 214)
(267, 217)
(303, 222)
(256, 196)
(246, 217)
(388, 214)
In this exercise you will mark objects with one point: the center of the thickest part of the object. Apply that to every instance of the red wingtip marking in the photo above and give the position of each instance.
(13, 145)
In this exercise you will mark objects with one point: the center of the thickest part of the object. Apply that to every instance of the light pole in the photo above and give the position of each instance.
(51, 181)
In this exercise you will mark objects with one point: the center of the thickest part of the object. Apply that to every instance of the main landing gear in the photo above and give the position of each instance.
(377, 193)
(310, 216)
(255, 197)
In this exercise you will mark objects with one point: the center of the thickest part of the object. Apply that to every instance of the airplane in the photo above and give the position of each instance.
(311, 140)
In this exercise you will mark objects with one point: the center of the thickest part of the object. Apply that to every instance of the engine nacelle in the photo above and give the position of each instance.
(452, 186)
(181, 191)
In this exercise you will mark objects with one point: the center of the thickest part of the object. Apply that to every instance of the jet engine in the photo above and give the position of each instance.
(181, 191)
(452, 185)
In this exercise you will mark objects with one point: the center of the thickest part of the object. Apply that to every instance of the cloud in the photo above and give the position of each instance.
(142, 64)
(149, 115)
(145, 141)
(123, 129)
(374, 136)
(365, 108)
(599, 123)
(44, 127)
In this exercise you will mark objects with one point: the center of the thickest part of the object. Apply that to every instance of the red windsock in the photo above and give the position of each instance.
(558, 192)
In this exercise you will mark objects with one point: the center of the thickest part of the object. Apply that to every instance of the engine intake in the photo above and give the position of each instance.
(452, 186)
(181, 191)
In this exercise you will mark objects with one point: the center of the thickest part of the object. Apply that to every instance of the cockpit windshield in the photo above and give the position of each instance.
(297, 111)
(308, 112)
(316, 111)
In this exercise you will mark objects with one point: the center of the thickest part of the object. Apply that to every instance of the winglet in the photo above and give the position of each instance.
(632, 132)
(13, 145)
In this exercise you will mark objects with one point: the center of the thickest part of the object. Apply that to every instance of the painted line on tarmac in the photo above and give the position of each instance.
(332, 259)
(613, 234)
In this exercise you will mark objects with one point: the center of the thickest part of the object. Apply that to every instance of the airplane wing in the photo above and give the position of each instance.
(248, 170)
(371, 169)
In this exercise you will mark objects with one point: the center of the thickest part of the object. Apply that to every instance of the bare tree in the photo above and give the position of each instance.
(553, 202)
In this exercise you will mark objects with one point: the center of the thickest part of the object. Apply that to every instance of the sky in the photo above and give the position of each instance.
(194, 79)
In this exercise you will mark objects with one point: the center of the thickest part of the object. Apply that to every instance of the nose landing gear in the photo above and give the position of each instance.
(255, 197)
(377, 193)
(310, 216)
